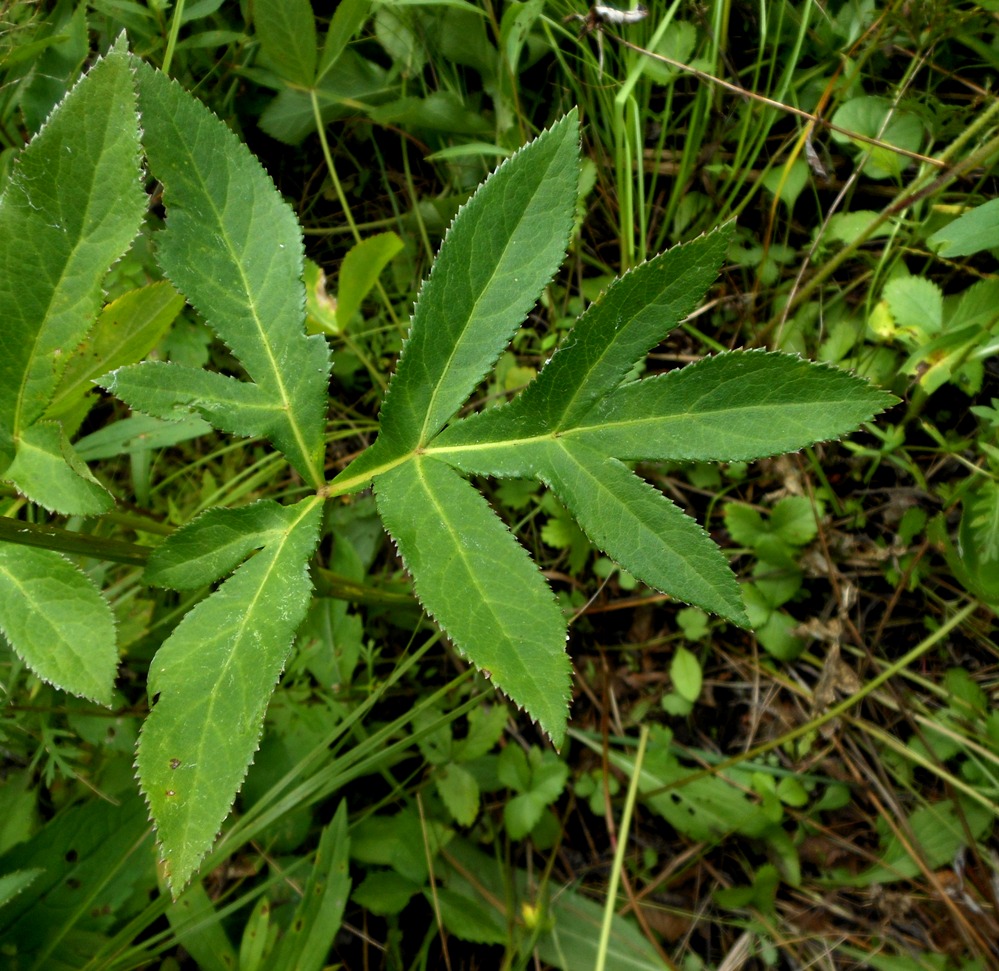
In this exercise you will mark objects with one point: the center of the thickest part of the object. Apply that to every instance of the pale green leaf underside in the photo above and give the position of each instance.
(57, 621)
(233, 247)
(212, 679)
(72, 205)
(215, 542)
(48, 470)
(480, 585)
(504, 245)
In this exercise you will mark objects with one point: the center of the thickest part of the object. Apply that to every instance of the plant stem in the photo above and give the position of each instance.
(622, 845)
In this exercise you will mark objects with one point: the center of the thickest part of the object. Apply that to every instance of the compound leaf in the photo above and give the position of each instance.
(212, 679)
(57, 622)
(572, 427)
(480, 585)
(233, 247)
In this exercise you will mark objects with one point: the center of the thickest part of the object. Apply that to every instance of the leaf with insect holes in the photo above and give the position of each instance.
(573, 428)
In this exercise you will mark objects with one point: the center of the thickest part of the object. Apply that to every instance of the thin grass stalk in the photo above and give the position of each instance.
(619, 853)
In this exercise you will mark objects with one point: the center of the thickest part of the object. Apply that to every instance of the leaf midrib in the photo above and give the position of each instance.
(286, 403)
(471, 319)
(237, 638)
(480, 587)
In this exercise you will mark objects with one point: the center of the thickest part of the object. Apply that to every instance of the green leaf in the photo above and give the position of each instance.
(879, 118)
(915, 304)
(522, 813)
(170, 391)
(505, 244)
(215, 542)
(633, 315)
(57, 622)
(233, 247)
(480, 585)
(47, 469)
(643, 531)
(347, 21)
(11, 884)
(212, 679)
(939, 832)
(96, 861)
(459, 792)
(287, 33)
(197, 927)
(291, 116)
(359, 272)
(136, 434)
(706, 808)
(127, 330)
(72, 205)
(731, 407)
(317, 918)
(976, 230)
(685, 673)
(467, 919)
(571, 428)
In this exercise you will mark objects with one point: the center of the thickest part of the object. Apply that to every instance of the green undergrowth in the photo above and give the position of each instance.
(498, 486)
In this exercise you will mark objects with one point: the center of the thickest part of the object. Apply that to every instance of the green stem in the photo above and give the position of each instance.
(622, 845)
(67, 541)
(178, 15)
